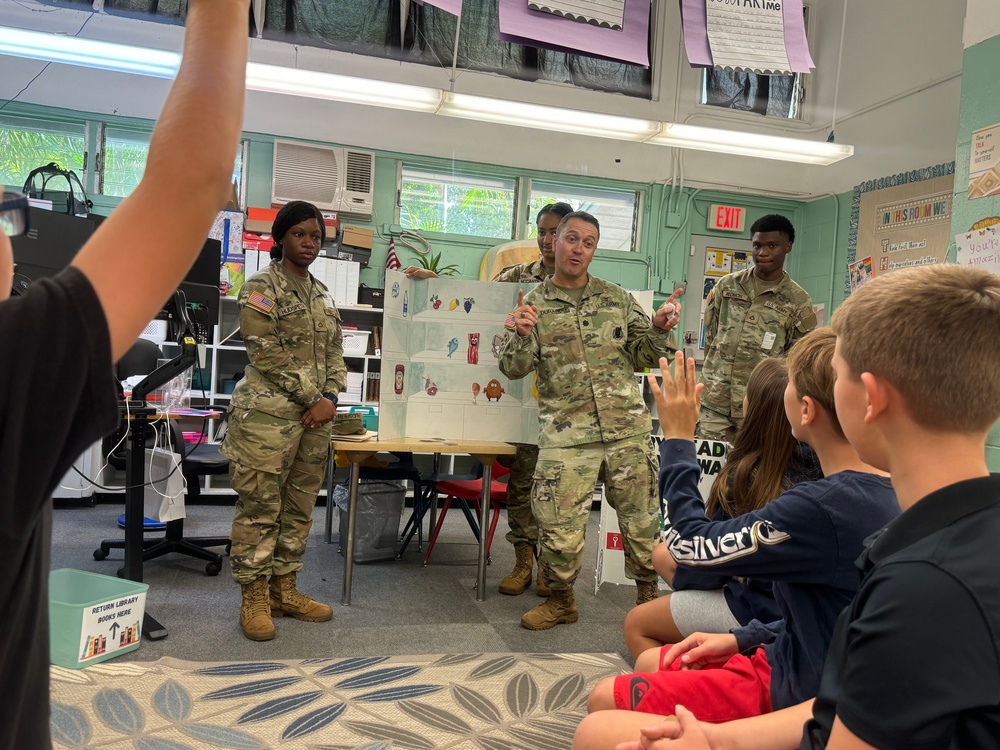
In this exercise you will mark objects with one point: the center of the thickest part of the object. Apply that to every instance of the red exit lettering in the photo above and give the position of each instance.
(726, 218)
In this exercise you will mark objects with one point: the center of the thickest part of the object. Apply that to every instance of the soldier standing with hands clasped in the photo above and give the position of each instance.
(280, 416)
(585, 338)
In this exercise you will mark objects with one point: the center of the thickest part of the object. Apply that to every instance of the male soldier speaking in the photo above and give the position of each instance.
(749, 316)
(585, 338)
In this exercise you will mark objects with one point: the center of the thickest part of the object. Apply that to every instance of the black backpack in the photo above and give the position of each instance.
(61, 186)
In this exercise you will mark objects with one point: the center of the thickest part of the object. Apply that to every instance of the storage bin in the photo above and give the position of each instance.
(356, 342)
(93, 617)
(376, 522)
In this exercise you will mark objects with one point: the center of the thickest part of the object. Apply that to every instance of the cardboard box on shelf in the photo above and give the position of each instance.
(357, 237)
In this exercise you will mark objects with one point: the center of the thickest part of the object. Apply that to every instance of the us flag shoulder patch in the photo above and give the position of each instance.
(509, 322)
(262, 303)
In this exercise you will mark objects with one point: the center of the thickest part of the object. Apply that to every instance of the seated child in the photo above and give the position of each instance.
(764, 461)
(805, 541)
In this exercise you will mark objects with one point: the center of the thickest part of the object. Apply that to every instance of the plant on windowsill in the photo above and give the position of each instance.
(433, 263)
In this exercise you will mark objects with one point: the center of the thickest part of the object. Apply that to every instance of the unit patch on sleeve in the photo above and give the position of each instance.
(262, 303)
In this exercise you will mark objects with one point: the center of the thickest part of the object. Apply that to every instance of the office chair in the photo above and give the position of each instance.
(141, 359)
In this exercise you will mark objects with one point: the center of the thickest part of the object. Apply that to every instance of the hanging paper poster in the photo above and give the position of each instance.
(861, 272)
(718, 262)
(741, 261)
(979, 248)
(608, 14)
(984, 163)
(747, 36)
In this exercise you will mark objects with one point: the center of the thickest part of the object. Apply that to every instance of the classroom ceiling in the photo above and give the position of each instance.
(896, 83)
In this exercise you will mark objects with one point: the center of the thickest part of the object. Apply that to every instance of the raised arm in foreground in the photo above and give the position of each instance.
(187, 176)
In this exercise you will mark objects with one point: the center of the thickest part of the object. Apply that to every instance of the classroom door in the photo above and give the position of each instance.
(711, 259)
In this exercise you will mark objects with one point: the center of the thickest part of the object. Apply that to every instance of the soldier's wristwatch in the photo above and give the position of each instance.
(332, 397)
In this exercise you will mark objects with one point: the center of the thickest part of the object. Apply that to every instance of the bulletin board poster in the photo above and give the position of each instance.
(979, 248)
(903, 224)
(711, 455)
(984, 162)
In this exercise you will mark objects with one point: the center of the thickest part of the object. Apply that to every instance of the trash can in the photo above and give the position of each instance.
(376, 524)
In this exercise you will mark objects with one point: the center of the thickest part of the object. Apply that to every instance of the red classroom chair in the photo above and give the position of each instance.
(469, 492)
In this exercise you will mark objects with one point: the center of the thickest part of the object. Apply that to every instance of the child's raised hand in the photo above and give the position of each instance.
(678, 398)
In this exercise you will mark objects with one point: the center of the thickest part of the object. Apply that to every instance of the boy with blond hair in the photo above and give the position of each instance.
(918, 390)
(805, 542)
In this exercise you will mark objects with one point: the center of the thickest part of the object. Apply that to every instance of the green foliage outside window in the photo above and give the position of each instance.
(456, 204)
(24, 147)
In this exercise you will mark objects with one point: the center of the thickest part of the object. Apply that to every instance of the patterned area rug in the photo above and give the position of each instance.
(486, 701)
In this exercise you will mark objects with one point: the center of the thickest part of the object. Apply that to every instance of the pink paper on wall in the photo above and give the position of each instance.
(796, 45)
(519, 25)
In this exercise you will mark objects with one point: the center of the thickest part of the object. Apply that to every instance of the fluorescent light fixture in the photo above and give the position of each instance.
(88, 53)
(504, 112)
(316, 85)
(124, 58)
(751, 144)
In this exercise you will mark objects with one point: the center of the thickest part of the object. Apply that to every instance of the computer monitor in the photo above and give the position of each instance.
(51, 243)
(206, 267)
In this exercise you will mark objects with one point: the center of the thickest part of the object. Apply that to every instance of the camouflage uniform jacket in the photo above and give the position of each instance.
(586, 358)
(296, 347)
(741, 330)
(523, 272)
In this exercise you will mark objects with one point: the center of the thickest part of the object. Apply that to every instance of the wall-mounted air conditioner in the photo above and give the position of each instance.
(334, 179)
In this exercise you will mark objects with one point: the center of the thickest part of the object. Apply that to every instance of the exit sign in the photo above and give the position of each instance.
(726, 218)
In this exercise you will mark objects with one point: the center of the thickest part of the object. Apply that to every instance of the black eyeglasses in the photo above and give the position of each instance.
(14, 214)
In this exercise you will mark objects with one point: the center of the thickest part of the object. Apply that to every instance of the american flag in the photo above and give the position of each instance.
(392, 260)
(261, 302)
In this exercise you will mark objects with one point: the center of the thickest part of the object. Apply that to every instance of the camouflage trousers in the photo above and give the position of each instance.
(562, 495)
(715, 426)
(523, 527)
(277, 468)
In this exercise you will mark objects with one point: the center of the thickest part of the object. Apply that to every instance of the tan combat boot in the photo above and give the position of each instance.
(287, 601)
(558, 608)
(541, 587)
(518, 579)
(255, 612)
(646, 591)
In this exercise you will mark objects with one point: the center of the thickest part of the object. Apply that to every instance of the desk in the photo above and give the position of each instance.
(140, 416)
(356, 452)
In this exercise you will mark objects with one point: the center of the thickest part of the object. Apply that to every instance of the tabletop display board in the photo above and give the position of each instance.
(610, 553)
(440, 373)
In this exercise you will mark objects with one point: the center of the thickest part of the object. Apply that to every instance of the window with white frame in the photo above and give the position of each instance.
(27, 143)
(616, 210)
(456, 203)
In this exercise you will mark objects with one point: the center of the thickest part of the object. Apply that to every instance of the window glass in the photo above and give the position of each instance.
(27, 143)
(457, 203)
(614, 209)
(125, 154)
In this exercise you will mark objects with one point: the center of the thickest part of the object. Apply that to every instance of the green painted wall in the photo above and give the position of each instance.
(980, 108)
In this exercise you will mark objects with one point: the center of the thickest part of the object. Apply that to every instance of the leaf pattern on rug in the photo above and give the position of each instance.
(521, 695)
(454, 701)
(278, 707)
(313, 721)
(69, 725)
(116, 708)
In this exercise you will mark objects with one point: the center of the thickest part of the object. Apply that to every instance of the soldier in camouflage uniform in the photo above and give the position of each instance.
(749, 316)
(523, 532)
(585, 338)
(280, 417)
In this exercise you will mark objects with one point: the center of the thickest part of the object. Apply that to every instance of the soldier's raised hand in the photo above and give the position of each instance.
(668, 314)
(525, 316)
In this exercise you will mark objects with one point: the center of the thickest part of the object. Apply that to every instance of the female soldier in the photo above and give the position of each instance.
(278, 428)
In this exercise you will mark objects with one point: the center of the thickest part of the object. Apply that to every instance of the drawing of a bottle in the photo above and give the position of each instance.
(406, 302)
